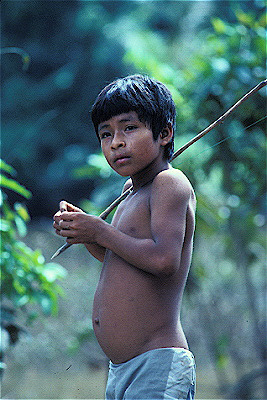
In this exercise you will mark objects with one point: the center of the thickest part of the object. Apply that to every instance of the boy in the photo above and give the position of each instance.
(146, 250)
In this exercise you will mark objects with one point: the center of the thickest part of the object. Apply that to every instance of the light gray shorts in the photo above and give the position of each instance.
(165, 373)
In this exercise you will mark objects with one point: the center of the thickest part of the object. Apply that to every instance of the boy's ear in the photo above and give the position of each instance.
(166, 134)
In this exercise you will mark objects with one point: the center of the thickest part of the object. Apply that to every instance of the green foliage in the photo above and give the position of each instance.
(13, 185)
(25, 276)
(226, 62)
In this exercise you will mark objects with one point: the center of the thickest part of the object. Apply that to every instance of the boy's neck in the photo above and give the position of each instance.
(148, 174)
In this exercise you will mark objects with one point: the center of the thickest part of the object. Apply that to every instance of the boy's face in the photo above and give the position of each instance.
(128, 144)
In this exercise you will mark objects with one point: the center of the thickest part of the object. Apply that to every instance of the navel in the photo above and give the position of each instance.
(96, 321)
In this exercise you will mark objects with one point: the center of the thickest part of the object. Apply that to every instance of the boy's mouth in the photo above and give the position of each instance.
(121, 159)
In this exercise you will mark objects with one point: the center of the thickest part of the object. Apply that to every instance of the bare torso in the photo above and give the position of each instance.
(135, 311)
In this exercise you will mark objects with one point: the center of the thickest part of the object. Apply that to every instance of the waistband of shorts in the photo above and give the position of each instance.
(177, 350)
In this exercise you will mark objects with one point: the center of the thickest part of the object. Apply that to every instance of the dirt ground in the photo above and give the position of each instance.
(29, 383)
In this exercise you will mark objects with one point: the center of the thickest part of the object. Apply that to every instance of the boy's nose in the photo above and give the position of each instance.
(117, 141)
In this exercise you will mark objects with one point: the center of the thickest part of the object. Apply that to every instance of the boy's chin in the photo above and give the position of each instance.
(124, 172)
(124, 175)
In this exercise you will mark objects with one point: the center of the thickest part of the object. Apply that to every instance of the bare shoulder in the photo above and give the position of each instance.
(173, 181)
(174, 188)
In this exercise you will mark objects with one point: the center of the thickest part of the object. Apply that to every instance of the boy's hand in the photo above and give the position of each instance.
(74, 224)
(63, 206)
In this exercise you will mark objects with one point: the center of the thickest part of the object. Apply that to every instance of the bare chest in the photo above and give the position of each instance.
(133, 215)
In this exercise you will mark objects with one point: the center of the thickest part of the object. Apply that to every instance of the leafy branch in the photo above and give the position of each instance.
(16, 50)
(26, 279)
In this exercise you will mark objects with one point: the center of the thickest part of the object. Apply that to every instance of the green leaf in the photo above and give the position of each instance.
(7, 168)
(85, 172)
(20, 289)
(22, 53)
(26, 61)
(4, 225)
(53, 271)
(38, 258)
(23, 300)
(2, 197)
(21, 226)
(22, 211)
(262, 20)
(245, 18)
(15, 186)
(218, 25)
(46, 304)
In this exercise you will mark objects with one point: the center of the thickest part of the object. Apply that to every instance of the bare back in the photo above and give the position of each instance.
(134, 310)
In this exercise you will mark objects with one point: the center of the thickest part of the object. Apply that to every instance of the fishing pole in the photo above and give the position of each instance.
(217, 122)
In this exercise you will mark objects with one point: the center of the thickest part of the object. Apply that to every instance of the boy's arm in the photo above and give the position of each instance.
(97, 251)
(171, 209)
(171, 205)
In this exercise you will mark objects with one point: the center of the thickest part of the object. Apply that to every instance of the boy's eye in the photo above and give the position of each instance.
(130, 127)
(103, 135)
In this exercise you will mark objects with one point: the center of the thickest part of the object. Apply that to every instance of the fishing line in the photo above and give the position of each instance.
(223, 140)
(254, 123)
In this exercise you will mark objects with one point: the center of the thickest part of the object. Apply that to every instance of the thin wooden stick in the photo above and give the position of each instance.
(218, 121)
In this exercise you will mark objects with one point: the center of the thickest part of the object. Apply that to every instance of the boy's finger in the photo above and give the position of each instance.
(67, 233)
(57, 225)
(64, 224)
(68, 216)
(57, 215)
(63, 206)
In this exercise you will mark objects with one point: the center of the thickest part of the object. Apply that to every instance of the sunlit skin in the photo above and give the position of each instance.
(146, 250)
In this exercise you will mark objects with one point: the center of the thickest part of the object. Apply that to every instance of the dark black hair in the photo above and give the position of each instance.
(150, 99)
